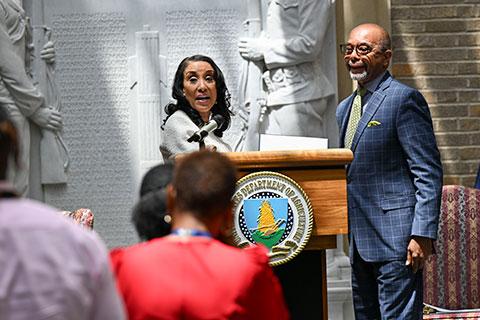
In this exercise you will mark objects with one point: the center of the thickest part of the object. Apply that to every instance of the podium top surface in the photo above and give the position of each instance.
(293, 158)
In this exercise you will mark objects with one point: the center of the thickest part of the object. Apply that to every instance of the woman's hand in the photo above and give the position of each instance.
(211, 148)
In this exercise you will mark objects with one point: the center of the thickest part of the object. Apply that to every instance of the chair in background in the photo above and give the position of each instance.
(452, 275)
(82, 216)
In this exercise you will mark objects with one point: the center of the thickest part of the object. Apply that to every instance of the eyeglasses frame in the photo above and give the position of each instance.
(343, 49)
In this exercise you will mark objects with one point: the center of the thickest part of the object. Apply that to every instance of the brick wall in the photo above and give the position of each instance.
(436, 49)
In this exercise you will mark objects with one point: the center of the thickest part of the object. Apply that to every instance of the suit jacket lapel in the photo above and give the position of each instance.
(344, 117)
(371, 108)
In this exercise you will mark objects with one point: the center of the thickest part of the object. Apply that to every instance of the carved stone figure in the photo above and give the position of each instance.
(18, 94)
(296, 87)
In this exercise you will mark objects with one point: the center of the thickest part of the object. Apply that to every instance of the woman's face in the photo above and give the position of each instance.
(199, 87)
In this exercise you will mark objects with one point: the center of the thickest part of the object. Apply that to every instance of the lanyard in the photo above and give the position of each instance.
(182, 232)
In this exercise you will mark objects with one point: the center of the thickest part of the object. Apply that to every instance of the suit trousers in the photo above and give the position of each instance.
(386, 290)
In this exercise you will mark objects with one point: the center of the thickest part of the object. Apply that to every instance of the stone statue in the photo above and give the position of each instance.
(296, 87)
(18, 94)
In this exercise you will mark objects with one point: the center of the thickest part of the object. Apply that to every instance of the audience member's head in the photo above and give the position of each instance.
(150, 215)
(8, 143)
(203, 186)
(157, 178)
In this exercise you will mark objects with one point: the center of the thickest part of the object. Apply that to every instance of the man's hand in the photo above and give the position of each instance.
(251, 48)
(48, 52)
(47, 118)
(418, 251)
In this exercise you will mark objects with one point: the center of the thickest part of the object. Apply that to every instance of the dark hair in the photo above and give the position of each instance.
(222, 105)
(8, 142)
(149, 215)
(204, 183)
(156, 178)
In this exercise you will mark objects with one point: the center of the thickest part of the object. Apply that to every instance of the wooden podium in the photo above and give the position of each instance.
(321, 174)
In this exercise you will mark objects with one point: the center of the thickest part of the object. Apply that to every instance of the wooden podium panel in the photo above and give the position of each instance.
(320, 173)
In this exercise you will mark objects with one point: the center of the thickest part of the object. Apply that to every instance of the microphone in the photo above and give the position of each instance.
(211, 125)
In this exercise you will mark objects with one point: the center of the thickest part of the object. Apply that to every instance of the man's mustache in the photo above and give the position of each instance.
(353, 65)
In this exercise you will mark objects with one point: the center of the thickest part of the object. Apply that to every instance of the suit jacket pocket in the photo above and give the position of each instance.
(404, 201)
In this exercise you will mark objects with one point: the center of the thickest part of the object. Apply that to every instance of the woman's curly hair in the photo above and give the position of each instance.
(222, 105)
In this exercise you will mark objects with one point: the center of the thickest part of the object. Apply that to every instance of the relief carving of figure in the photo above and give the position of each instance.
(18, 94)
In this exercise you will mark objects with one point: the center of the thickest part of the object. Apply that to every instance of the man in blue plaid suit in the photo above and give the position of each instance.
(394, 182)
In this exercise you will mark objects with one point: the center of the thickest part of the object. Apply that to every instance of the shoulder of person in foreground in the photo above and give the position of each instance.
(118, 255)
(106, 301)
(264, 298)
(64, 249)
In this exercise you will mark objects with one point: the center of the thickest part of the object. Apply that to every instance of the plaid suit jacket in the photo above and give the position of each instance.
(394, 182)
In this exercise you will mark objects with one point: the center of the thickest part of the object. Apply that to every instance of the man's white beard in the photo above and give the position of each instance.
(358, 76)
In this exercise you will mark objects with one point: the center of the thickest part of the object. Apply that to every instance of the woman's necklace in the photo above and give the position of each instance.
(184, 232)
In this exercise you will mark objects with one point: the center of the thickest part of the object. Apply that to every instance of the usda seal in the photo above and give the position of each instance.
(272, 209)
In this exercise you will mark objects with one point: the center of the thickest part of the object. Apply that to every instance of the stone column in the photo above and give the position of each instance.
(148, 72)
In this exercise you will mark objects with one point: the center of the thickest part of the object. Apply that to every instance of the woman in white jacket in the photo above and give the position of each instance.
(201, 93)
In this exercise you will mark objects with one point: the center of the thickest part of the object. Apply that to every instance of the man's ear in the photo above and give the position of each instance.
(171, 198)
(388, 57)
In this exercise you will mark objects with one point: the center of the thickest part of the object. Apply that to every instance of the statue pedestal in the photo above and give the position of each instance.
(339, 287)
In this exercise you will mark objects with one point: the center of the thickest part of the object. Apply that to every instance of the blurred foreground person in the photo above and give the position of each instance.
(150, 215)
(50, 268)
(190, 274)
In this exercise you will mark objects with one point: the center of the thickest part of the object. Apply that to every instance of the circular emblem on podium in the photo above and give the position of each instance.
(272, 209)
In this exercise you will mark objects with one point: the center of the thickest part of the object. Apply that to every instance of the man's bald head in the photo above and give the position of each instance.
(376, 32)
(367, 53)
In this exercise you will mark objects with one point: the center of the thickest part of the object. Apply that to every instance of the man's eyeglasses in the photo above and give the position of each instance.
(361, 49)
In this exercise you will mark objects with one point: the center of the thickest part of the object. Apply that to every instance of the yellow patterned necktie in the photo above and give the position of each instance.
(355, 115)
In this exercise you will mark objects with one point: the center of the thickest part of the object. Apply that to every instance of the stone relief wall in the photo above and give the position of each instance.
(114, 68)
(188, 34)
(92, 73)
(106, 53)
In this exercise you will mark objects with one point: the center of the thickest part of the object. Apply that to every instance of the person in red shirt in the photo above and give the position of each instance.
(189, 274)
